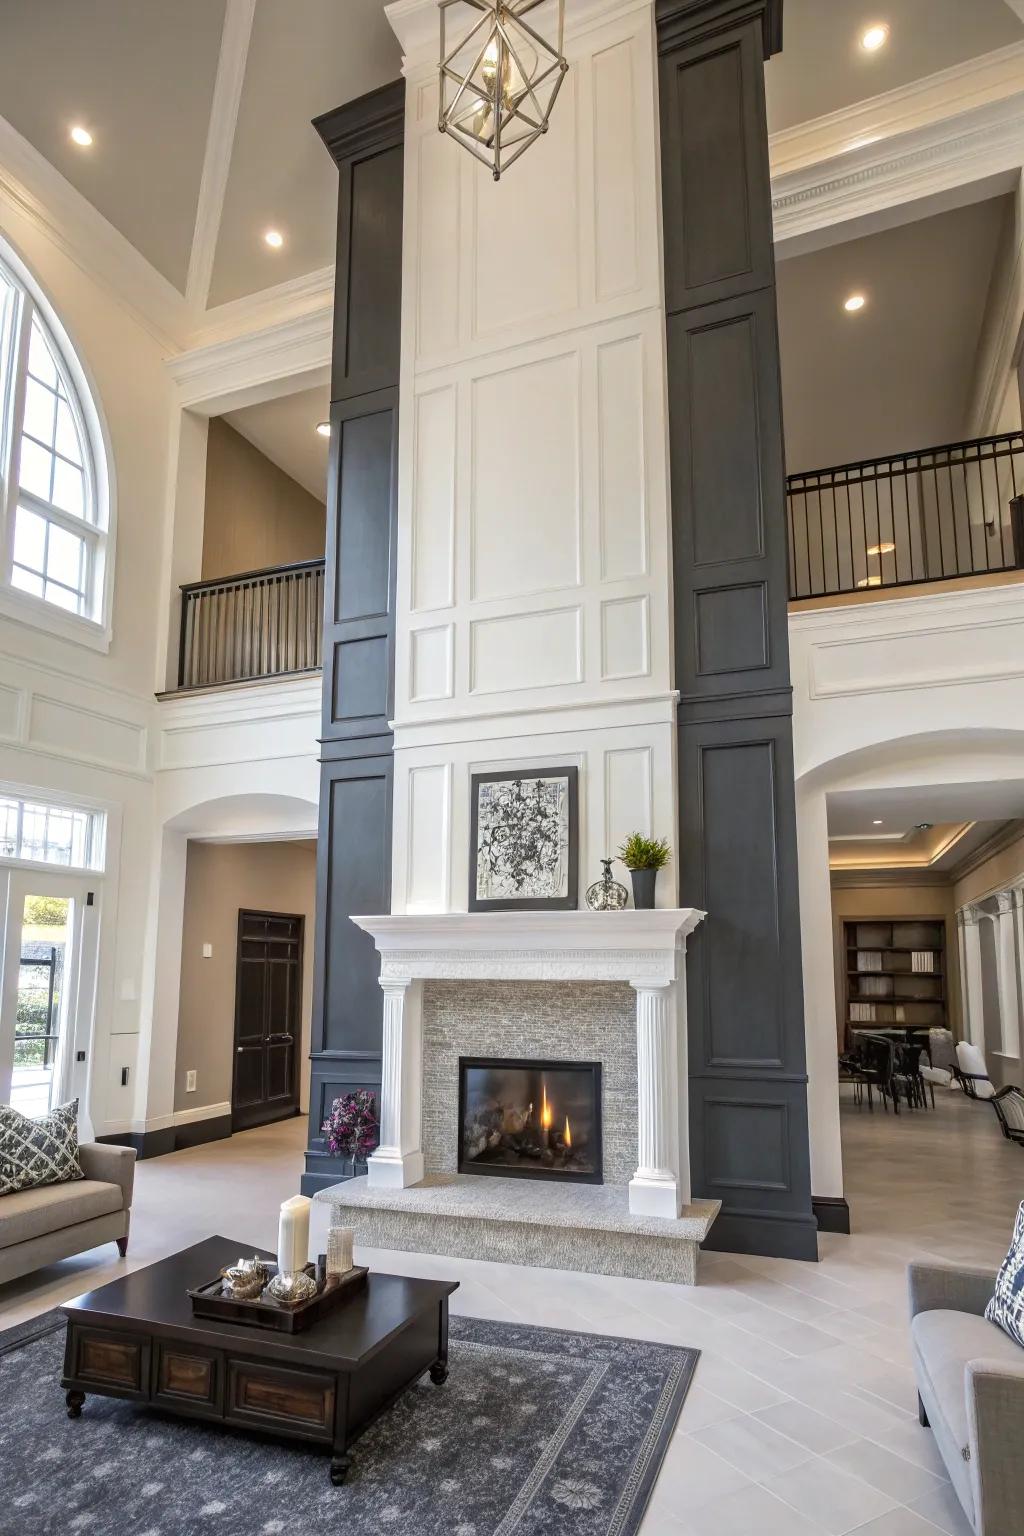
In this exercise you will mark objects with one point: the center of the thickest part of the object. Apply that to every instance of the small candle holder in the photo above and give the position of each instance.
(292, 1287)
(339, 1250)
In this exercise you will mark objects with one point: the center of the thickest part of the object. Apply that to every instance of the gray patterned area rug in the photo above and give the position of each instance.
(536, 1430)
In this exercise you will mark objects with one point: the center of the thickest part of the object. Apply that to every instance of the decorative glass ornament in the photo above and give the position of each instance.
(500, 80)
(606, 894)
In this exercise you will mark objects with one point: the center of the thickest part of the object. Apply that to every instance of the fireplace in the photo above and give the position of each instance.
(530, 1119)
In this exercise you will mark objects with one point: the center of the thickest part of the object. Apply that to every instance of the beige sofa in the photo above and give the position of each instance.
(40, 1226)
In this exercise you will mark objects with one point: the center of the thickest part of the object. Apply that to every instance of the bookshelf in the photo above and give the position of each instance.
(895, 973)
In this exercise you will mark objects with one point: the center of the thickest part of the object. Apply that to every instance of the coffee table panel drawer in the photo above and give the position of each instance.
(189, 1376)
(297, 1402)
(118, 1361)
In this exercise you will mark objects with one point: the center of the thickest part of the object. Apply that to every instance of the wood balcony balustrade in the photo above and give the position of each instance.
(911, 518)
(259, 624)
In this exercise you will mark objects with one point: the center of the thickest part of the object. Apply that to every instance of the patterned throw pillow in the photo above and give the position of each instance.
(36, 1152)
(1006, 1309)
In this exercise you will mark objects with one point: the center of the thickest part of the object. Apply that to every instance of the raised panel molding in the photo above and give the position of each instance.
(428, 839)
(12, 712)
(622, 489)
(431, 670)
(72, 730)
(625, 638)
(439, 214)
(628, 795)
(543, 649)
(525, 480)
(433, 500)
(616, 179)
(731, 629)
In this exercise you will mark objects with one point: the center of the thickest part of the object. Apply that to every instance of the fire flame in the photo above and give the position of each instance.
(568, 1133)
(546, 1117)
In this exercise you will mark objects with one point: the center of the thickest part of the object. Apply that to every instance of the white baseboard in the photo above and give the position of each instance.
(201, 1112)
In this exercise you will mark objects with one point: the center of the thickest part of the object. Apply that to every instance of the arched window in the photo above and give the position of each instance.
(54, 493)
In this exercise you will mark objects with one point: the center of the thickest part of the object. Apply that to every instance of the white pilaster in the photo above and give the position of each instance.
(654, 1189)
(1006, 966)
(970, 974)
(398, 1160)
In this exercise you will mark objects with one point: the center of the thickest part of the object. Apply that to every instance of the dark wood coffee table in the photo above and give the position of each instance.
(137, 1339)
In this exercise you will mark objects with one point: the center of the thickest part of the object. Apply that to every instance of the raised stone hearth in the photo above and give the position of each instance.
(558, 1226)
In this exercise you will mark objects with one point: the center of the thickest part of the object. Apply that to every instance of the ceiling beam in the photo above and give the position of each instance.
(933, 144)
(220, 142)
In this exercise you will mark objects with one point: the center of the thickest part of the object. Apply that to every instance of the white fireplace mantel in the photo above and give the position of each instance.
(645, 949)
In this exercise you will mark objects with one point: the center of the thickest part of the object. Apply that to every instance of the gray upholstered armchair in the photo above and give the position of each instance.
(970, 1381)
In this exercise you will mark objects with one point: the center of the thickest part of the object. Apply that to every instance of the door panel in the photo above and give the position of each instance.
(268, 994)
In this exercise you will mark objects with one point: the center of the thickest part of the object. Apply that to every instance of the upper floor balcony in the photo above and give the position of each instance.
(258, 625)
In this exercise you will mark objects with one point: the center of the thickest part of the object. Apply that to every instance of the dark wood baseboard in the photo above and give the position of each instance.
(777, 1237)
(833, 1213)
(173, 1138)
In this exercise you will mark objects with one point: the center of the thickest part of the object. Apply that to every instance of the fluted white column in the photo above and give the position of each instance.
(970, 975)
(656, 1187)
(1006, 966)
(398, 1160)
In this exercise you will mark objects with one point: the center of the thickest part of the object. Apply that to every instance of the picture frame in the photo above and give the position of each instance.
(524, 840)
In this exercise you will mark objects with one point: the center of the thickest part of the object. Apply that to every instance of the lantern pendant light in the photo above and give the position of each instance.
(500, 76)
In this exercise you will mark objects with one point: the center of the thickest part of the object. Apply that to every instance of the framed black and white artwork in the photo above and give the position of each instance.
(524, 840)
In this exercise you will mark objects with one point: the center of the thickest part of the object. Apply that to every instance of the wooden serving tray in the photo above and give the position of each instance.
(265, 1312)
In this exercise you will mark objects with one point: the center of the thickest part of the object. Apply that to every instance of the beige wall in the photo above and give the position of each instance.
(994, 875)
(220, 879)
(256, 515)
(850, 903)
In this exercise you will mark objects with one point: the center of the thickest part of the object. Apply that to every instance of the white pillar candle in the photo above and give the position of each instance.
(339, 1250)
(293, 1235)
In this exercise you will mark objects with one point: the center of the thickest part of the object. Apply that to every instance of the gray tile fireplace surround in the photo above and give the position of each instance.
(559, 1225)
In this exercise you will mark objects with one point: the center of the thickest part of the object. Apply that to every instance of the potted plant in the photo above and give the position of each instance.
(643, 857)
(351, 1128)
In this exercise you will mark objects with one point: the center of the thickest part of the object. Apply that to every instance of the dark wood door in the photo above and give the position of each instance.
(268, 994)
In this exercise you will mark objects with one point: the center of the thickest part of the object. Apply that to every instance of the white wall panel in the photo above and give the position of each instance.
(622, 493)
(628, 796)
(616, 218)
(437, 310)
(625, 639)
(433, 500)
(90, 735)
(525, 481)
(430, 665)
(12, 705)
(526, 650)
(525, 242)
(428, 840)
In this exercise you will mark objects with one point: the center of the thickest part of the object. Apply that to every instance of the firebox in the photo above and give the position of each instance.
(530, 1119)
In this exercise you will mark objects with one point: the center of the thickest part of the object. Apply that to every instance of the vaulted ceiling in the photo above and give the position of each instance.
(167, 89)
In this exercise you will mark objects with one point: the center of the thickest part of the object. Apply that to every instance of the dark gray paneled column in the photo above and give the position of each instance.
(738, 860)
(365, 138)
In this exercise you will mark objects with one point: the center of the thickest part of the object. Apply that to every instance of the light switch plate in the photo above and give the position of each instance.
(190, 1082)
(207, 951)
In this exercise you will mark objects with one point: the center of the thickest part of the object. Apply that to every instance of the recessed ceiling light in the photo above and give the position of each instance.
(870, 581)
(854, 302)
(81, 136)
(324, 428)
(876, 823)
(274, 239)
(874, 37)
(882, 549)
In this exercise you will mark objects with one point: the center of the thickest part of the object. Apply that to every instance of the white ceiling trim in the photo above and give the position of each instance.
(36, 189)
(416, 25)
(932, 166)
(308, 294)
(918, 104)
(243, 370)
(220, 141)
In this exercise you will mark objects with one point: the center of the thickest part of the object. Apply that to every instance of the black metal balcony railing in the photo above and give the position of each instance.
(910, 518)
(259, 624)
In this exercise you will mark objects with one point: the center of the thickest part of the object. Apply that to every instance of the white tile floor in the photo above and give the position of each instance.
(802, 1420)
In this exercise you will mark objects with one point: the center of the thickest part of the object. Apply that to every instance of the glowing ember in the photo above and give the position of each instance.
(568, 1133)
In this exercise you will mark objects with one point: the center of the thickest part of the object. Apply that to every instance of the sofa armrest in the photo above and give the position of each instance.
(110, 1165)
(949, 1288)
(995, 1424)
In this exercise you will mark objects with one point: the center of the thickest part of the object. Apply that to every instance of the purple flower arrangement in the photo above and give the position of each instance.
(351, 1128)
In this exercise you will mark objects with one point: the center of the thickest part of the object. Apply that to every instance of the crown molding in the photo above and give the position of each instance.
(415, 23)
(1008, 834)
(853, 879)
(227, 375)
(37, 191)
(220, 141)
(298, 297)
